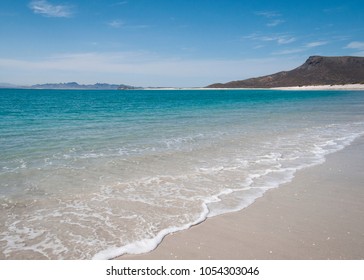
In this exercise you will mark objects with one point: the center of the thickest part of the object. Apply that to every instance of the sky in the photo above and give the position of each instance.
(178, 43)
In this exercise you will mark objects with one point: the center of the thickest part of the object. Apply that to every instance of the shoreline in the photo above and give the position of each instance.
(315, 216)
(325, 87)
(318, 87)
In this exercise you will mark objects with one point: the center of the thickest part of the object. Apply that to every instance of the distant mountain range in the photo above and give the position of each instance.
(317, 70)
(74, 85)
(7, 85)
(71, 85)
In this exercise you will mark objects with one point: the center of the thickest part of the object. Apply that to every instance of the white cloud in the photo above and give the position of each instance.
(273, 16)
(120, 24)
(301, 49)
(275, 22)
(115, 23)
(285, 40)
(279, 39)
(268, 14)
(358, 46)
(47, 9)
(355, 45)
(315, 44)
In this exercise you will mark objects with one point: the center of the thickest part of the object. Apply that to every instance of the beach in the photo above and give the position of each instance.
(316, 87)
(325, 87)
(100, 174)
(319, 215)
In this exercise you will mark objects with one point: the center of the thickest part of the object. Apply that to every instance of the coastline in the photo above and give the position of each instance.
(325, 87)
(316, 216)
(318, 87)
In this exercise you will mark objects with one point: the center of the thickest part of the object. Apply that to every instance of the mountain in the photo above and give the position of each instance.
(74, 85)
(7, 85)
(126, 87)
(317, 70)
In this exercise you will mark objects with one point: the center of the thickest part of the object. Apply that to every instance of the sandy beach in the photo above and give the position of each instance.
(319, 215)
(318, 87)
(325, 87)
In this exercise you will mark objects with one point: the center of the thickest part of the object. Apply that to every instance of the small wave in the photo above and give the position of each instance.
(121, 214)
(231, 200)
(147, 245)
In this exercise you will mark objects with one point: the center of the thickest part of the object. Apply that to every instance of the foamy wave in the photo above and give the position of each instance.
(178, 142)
(146, 245)
(132, 214)
(253, 188)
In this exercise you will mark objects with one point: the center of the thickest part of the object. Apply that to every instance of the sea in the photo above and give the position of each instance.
(97, 174)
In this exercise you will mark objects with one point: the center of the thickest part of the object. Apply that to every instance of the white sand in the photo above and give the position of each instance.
(326, 87)
(319, 215)
(321, 87)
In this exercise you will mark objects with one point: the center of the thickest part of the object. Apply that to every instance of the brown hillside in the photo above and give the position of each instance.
(317, 70)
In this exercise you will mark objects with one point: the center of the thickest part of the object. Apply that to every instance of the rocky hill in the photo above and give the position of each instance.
(317, 70)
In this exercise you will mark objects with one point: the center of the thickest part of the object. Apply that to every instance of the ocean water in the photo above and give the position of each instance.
(98, 174)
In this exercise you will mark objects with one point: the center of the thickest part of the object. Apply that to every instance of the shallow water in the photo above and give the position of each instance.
(96, 174)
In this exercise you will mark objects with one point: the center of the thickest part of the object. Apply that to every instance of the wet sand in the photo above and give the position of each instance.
(319, 215)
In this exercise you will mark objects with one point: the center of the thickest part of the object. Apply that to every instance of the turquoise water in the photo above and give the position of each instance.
(96, 174)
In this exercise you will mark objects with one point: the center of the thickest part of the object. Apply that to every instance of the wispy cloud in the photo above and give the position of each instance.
(277, 38)
(273, 16)
(289, 51)
(275, 22)
(285, 40)
(115, 23)
(303, 48)
(315, 44)
(121, 24)
(268, 14)
(357, 46)
(47, 9)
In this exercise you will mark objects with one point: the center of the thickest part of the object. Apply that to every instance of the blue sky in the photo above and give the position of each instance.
(170, 43)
